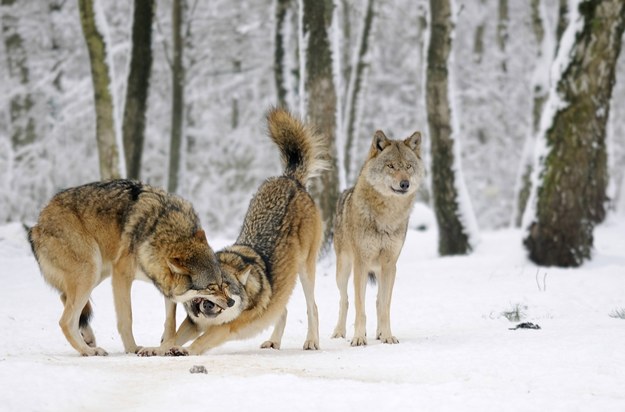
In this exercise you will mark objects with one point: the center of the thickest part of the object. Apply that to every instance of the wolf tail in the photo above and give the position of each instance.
(303, 152)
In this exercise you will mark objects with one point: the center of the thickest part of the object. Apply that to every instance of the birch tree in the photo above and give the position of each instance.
(457, 228)
(571, 164)
(94, 25)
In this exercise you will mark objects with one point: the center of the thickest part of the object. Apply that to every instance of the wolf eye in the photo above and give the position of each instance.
(409, 167)
(390, 166)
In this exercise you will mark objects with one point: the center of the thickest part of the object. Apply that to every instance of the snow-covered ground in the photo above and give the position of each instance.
(456, 349)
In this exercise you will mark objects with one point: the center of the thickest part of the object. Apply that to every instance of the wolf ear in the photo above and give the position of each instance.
(176, 266)
(200, 235)
(244, 276)
(414, 142)
(379, 143)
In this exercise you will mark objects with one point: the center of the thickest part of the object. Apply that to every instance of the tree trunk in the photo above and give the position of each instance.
(354, 90)
(133, 128)
(177, 109)
(540, 91)
(571, 194)
(23, 125)
(106, 136)
(502, 33)
(454, 217)
(321, 101)
(279, 64)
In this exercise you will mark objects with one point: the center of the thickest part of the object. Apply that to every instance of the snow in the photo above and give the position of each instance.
(456, 349)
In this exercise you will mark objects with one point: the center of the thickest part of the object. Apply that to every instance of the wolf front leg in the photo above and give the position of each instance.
(276, 336)
(121, 280)
(360, 289)
(211, 338)
(383, 303)
(343, 270)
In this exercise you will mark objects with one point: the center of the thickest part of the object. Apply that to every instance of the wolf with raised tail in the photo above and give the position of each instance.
(370, 229)
(127, 230)
(280, 238)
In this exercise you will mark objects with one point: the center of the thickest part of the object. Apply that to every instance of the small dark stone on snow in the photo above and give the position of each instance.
(198, 369)
(525, 325)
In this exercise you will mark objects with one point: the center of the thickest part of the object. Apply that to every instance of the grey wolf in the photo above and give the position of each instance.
(127, 230)
(280, 238)
(370, 229)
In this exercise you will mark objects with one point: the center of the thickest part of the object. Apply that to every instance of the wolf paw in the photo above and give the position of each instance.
(389, 339)
(94, 352)
(359, 341)
(177, 351)
(155, 351)
(338, 333)
(270, 345)
(311, 345)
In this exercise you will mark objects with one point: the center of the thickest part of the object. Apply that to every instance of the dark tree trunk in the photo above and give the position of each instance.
(108, 149)
(322, 102)
(355, 87)
(177, 108)
(453, 237)
(279, 67)
(572, 191)
(133, 128)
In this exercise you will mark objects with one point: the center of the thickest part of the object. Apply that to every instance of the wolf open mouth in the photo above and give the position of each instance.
(204, 307)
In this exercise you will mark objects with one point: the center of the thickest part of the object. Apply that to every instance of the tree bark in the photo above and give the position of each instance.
(177, 109)
(133, 128)
(106, 136)
(279, 66)
(23, 124)
(453, 236)
(572, 190)
(321, 102)
(355, 86)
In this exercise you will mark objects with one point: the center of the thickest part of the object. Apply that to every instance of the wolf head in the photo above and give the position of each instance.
(209, 310)
(394, 167)
(193, 268)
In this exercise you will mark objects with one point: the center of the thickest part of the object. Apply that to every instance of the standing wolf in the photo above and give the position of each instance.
(126, 230)
(280, 238)
(370, 229)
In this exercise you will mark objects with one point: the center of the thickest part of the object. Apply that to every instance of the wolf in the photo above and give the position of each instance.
(280, 237)
(127, 230)
(370, 229)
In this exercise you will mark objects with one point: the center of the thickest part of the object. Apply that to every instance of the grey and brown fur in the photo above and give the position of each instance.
(126, 230)
(370, 229)
(280, 238)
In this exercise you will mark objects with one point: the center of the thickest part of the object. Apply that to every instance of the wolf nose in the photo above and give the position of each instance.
(208, 305)
(404, 184)
(230, 302)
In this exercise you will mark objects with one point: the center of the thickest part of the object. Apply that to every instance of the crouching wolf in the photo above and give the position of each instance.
(370, 229)
(280, 238)
(126, 230)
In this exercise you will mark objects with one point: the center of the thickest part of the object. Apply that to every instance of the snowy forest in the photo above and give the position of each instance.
(174, 92)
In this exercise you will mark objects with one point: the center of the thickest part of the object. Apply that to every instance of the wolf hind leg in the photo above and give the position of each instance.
(343, 270)
(83, 323)
(360, 290)
(276, 336)
(81, 339)
(307, 278)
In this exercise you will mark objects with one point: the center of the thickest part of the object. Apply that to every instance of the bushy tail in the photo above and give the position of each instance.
(303, 151)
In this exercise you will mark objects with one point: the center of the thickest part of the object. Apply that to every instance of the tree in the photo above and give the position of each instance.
(177, 106)
(354, 89)
(93, 25)
(540, 89)
(133, 128)
(454, 215)
(279, 68)
(321, 100)
(571, 175)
